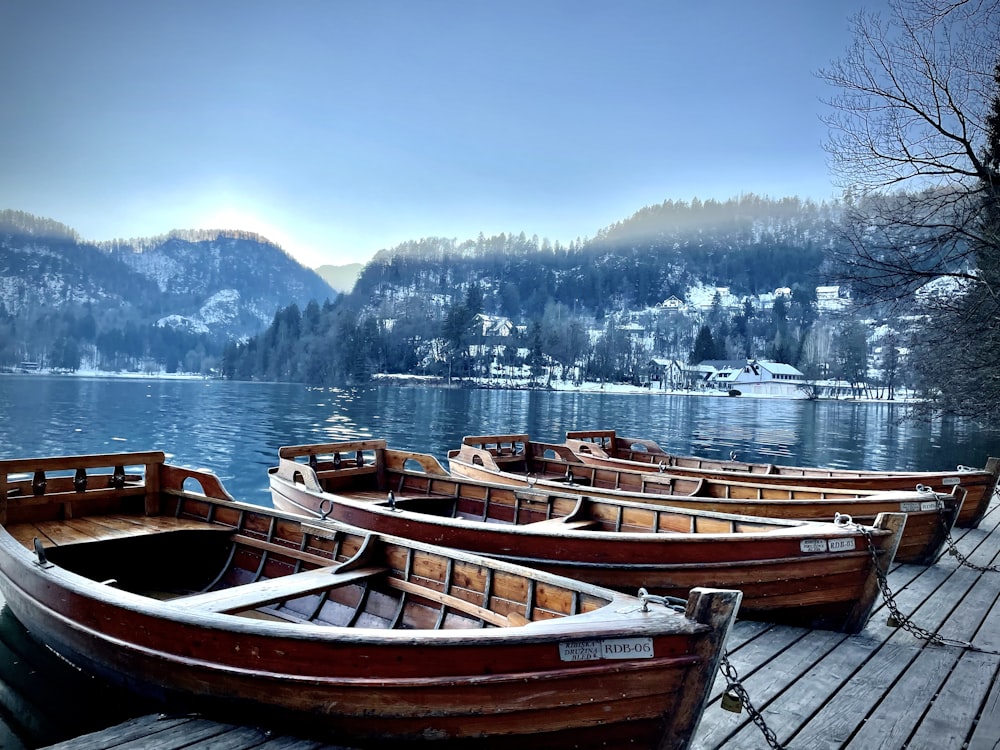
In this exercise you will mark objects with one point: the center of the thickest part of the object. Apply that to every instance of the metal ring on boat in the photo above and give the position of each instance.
(924, 488)
(671, 602)
(325, 503)
(843, 520)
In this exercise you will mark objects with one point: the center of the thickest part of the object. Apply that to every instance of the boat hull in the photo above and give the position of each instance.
(930, 515)
(807, 574)
(606, 448)
(549, 679)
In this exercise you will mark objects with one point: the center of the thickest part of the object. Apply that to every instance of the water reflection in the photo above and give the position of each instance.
(235, 429)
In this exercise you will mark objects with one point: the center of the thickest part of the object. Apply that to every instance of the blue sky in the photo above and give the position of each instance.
(340, 128)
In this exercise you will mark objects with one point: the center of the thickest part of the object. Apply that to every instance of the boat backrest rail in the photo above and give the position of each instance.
(604, 438)
(413, 463)
(39, 481)
(504, 449)
(314, 451)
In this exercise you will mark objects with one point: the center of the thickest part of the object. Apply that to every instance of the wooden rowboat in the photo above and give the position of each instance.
(818, 575)
(606, 448)
(159, 580)
(519, 461)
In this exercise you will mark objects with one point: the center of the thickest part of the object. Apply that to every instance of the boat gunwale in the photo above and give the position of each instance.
(616, 609)
(784, 527)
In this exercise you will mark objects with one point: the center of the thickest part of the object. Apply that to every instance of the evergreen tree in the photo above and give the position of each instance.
(473, 300)
(704, 346)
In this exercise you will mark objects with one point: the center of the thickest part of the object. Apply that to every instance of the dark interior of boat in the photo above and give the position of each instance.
(209, 571)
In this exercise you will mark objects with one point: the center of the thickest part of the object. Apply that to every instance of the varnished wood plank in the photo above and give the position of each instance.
(105, 527)
(262, 593)
(281, 549)
(459, 605)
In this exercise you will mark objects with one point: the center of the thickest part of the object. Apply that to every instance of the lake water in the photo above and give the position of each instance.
(235, 430)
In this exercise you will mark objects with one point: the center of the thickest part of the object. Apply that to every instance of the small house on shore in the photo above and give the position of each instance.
(760, 378)
(669, 374)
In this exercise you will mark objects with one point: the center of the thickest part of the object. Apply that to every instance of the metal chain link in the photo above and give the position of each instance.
(897, 617)
(733, 684)
(953, 549)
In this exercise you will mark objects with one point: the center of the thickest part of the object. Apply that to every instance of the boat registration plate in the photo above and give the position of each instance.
(951, 481)
(607, 648)
(824, 545)
(842, 545)
(913, 507)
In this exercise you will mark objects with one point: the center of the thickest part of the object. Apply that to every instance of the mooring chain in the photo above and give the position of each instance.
(737, 695)
(954, 552)
(896, 617)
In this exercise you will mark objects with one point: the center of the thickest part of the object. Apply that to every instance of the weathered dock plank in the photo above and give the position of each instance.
(987, 732)
(170, 732)
(957, 704)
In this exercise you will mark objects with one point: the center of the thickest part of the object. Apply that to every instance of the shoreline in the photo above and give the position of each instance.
(434, 381)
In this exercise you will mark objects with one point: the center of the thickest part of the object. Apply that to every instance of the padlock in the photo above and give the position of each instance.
(893, 621)
(731, 701)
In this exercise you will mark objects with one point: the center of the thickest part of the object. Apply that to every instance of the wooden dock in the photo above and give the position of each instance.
(814, 690)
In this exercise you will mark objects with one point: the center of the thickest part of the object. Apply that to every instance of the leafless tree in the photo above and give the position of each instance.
(912, 142)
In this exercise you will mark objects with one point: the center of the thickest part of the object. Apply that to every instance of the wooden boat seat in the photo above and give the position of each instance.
(101, 528)
(563, 523)
(508, 458)
(271, 590)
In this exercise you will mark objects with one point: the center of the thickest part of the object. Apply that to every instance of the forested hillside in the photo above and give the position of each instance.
(746, 271)
(750, 244)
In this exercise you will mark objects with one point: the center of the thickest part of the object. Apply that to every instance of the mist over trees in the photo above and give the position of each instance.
(596, 310)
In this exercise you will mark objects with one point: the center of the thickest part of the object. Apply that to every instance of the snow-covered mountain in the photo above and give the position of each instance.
(222, 283)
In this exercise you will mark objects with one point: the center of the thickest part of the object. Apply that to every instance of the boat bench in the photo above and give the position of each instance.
(562, 523)
(272, 590)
